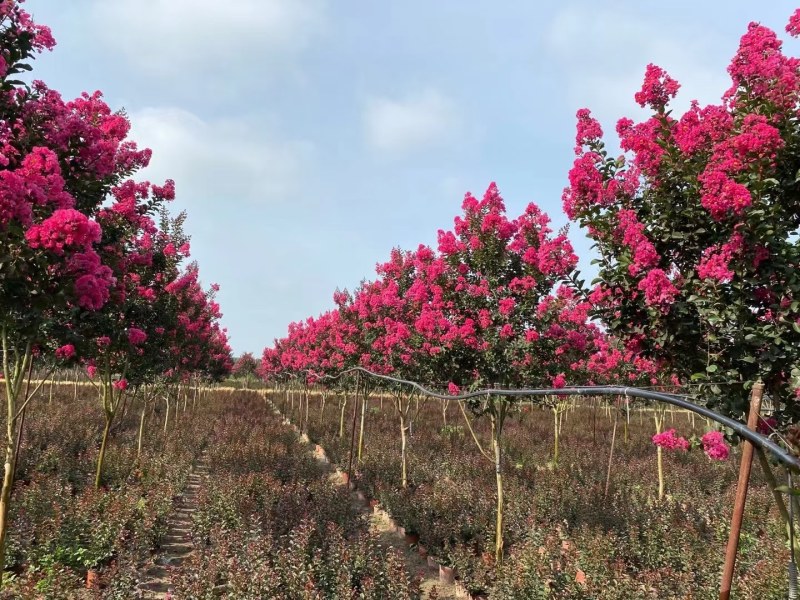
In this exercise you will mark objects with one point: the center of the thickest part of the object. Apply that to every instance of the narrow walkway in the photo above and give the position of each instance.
(177, 543)
(389, 534)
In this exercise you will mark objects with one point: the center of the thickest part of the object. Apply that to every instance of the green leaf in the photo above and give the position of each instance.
(711, 368)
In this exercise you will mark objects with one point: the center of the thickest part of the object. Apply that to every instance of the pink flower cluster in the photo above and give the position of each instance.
(714, 445)
(67, 229)
(658, 289)
(669, 440)
(65, 352)
(658, 88)
(136, 336)
(632, 233)
(715, 263)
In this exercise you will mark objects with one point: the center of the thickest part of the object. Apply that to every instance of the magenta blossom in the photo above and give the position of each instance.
(714, 445)
(121, 384)
(670, 441)
(66, 352)
(136, 337)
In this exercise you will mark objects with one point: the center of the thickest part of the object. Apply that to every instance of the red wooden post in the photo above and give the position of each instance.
(741, 495)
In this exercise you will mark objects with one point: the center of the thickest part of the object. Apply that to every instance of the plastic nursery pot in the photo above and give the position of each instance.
(411, 538)
(92, 580)
(447, 575)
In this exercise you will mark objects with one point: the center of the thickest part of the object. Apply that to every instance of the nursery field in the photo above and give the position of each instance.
(261, 520)
(566, 536)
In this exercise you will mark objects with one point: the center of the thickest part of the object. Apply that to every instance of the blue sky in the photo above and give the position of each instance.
(309, 137)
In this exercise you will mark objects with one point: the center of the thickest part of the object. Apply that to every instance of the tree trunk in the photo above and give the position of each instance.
(555, 436)
(611, 455)
(341, 416)
(5, 498)
(102, 456)
(660, 459)
(166, 417)
(496, 432)
(445, 404)
(361, 428)
(141, 429)
(403, 452)
(322, 409)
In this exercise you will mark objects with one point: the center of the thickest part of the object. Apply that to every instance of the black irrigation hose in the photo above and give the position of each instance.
(760, 441)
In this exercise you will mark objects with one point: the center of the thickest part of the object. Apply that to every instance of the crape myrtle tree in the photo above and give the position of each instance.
(389, 308)
(58, 160)
(326, 359)
(486, 310)
(198, 345)
(508, 325)
(123, 343)
(696, 228)
(246, 367)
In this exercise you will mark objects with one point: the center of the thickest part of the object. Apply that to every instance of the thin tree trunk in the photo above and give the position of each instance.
(555, 436)
(496, 433)
(166, 416)
(403, 452)
(102, 456)
(611, 455)
(12, 389)
(141, 429)
(361, 428)
(341, 416)
(660, 459)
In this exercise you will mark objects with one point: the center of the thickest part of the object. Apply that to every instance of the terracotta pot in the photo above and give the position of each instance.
(422, 550)
(447, 575)
(411, 538)
(92, 580)
(345, 478)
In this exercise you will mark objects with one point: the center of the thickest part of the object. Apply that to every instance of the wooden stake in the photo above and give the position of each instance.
(741, 495)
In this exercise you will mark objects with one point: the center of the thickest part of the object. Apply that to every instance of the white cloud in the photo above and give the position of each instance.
(398, 126)
(603, 56)
(168, 35)
(220, 160)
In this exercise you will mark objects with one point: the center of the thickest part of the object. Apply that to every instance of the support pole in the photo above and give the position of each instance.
(741, 495)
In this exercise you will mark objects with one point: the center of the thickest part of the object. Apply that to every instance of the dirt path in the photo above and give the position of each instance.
(177, 543)
(387, 531)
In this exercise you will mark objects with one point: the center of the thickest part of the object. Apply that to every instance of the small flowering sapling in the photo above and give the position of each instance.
(712, 442)
(245, 367)
(120, 341)
(507, 322)
(392, 308)
(696, 226)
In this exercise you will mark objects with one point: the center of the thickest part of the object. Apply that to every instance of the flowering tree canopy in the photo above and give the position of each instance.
(696, 226)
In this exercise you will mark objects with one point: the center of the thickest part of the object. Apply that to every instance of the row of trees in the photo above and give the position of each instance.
(695, 228)
(91, 262)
